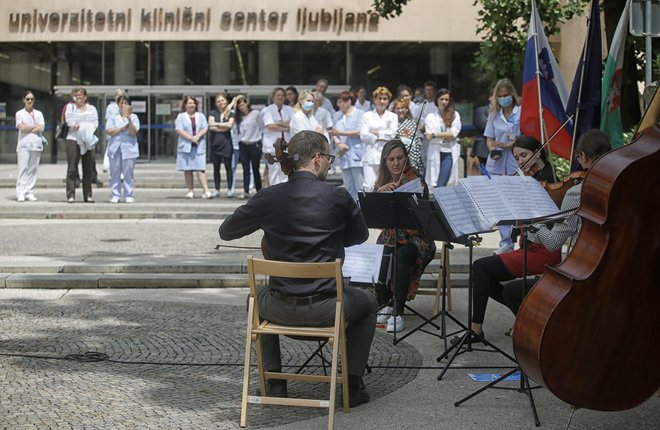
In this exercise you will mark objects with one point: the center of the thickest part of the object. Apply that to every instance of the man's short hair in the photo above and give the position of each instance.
(594, 143)
(304, 145)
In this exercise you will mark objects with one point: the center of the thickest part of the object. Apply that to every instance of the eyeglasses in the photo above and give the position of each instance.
(331, 158)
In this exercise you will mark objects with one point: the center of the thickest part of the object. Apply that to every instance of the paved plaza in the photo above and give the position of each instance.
(128, 317)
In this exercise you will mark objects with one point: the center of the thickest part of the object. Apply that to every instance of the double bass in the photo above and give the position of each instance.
(588, 330)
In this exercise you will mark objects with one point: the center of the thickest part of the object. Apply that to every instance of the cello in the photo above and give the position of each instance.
(588, 330)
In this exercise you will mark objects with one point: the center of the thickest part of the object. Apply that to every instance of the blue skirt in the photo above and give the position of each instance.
(190, 161)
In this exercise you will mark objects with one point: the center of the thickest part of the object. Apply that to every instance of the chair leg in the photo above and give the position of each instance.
(333, 371)
(344, 367)
(246, 367)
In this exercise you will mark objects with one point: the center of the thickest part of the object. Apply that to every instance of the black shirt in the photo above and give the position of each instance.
(304, 220)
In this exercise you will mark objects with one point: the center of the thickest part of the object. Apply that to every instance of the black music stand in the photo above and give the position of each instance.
(435, 225)
(434, 222)
(527, 226)
(389, 210)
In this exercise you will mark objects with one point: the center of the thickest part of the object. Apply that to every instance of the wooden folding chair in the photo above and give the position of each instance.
(443, 256)
(256, 327)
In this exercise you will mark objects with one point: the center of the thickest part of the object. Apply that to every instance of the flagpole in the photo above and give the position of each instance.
(579, 97)
(535, 14)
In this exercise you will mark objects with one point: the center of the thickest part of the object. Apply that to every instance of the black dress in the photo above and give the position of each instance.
(220, 141)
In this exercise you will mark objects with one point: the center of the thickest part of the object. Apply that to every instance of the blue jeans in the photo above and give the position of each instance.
(353, 180)
(445, 169)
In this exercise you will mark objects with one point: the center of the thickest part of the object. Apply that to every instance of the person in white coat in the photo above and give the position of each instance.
(30, 124)
(191, 127)
(377, 128)
(276, 118)
(83, 120)
(442, 129)
(303, 117)
(123, 150)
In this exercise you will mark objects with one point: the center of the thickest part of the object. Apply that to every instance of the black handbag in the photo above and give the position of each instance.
(61, 130)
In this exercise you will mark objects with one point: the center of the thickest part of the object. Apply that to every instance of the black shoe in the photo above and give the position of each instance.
(356, 396)
(275, 388)
(475, 338)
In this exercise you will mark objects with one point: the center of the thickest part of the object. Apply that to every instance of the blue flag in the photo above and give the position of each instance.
(584, 101)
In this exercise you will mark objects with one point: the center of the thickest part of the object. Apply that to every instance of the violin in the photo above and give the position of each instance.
(281, 156)
(588, 329)
(557, 190)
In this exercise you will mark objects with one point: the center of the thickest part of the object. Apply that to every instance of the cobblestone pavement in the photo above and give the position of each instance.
(170, 365)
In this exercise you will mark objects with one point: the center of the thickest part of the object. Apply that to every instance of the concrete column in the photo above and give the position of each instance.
(124, 63)
(220, 63)
(174, 63)
(269, 64)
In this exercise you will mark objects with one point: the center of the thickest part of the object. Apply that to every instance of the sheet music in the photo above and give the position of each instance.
(414, 186)
(362, 262)
(485, 194)
(460, 211)
(477, 203)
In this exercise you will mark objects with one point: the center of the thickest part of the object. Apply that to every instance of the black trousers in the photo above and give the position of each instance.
(487, 275)
(250, 155)
(88, 166)
(217, 160)
(406, 256)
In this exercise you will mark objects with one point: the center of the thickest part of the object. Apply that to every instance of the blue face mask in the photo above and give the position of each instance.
(505, 101)
(307, 105)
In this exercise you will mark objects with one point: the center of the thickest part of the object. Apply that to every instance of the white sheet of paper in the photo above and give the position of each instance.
(414, 186)
(362, 262)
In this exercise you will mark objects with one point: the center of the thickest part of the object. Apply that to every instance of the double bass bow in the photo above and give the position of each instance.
(588, 330)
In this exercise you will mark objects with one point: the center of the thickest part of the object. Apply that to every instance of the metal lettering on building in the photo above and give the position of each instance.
(189, 19)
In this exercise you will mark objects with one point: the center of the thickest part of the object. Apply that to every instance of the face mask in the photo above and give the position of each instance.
(307, 105)
(505, 101)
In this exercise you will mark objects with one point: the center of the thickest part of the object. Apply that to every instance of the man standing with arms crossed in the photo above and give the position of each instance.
(307, 220)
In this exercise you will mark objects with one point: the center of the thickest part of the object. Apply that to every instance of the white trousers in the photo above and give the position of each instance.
(275, 174)
(28, 164)
(369, 172)
(119, 167)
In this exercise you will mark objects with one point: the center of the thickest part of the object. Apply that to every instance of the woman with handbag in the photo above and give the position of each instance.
(30, 124)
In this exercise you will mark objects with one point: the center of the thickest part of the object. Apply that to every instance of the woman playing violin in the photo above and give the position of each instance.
(414, 251)
(544, 246)
(532, 160)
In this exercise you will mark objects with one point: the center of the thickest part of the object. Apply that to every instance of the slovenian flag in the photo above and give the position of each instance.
(610, 114)
(542, 79)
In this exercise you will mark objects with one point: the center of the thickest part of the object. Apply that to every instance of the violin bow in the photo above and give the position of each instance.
(570, 117)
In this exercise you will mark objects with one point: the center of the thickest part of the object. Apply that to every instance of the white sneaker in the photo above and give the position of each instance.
(31, 198)
(504, 249)
(190, 195)
(230, 194)
(384, 314)
(129, 200)
(399, 324)
(70, 200)
(207, 195)
(215, 194)
(20, 199)
(114, 200)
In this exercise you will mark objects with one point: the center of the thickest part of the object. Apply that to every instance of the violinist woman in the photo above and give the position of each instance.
(543, 248)
(532, 160)
(414, 251)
